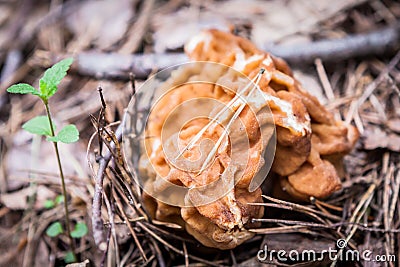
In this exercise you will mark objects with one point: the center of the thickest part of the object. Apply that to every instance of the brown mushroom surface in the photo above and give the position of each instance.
(329, 138)
(305, 132)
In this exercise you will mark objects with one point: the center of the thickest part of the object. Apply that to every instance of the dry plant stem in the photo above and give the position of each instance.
(157, 251)
(371, 88)
(279, 230)
(126, 193)
(171, 247)
(324, 204)
(7, 257)
(300, 208)
(30, 249)
(373, 43)
(326, 85)
(131, 230)
(139, 29)
(186, 254)
(385, 201)
(64, 190)
(17, 23)
(111, 212)
(127, 255)
(395, 199)
(141, 65)
(358, 214)
(169, 233)
(234, 261)
(361, 227)
(101, 118)
(97, 221)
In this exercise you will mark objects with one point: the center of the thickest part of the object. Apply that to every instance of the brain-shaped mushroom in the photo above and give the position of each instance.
(309, 142)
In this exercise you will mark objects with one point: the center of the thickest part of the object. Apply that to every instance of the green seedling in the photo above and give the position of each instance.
(43, 125)
(54, 229)
(59, 199)
(69, 257)
(49, 204)
(80, 230)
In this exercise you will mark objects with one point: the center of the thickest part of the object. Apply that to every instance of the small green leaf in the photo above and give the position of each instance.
(69, 257)
(23, 88)
(80, 230)
(53, 76)
(59, 199)
(48, 204)
(68, 134)
(39, 125)
(54, 229)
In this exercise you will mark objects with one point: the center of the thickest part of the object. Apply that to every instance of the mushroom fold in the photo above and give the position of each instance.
(310, 143)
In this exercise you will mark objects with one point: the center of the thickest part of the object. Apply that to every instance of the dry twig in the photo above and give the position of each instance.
(116, 65)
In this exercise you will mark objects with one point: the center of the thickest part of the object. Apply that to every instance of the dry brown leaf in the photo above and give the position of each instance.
(42, 254)
(173, 31)
(5, 12)
(33, 20)
(297, 16)
(101, 23)
(394, 142)
(375, 138)
(79, 264)
(311, 84)
(271, 20)
(29, 157)
(18, 200)
(394, 125)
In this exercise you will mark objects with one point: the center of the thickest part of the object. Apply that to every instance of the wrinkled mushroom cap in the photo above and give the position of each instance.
(309, 143)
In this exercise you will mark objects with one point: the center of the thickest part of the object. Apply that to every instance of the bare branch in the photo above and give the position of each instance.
(119, 66)
(97, 221)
